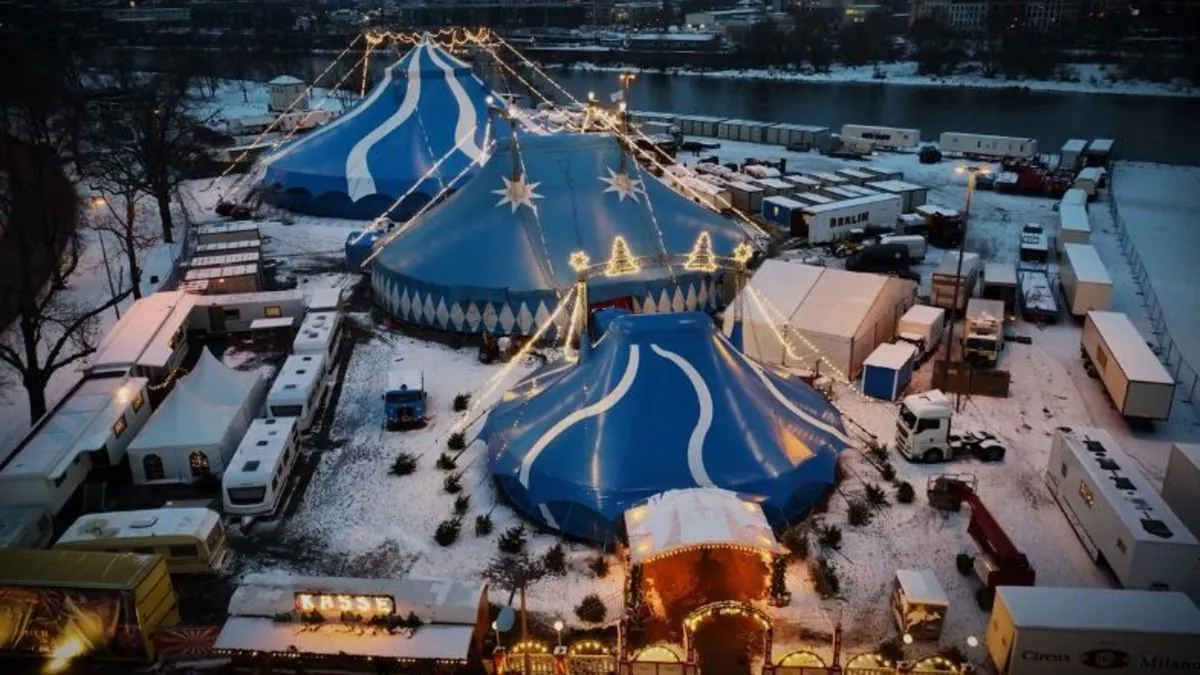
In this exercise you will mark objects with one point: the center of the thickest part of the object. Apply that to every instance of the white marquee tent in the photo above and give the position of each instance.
(680, 520)
(198, 427)
(843, 315)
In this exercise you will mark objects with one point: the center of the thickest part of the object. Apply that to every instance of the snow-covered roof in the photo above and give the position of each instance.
(891, 355)
(1074, 145)
(405, 379)
(296, 378)
(210, 273)
(268, 635)
(843, 192)
(219, 247)
(1075, 196)
(931, 210)
(323, 299)
(814, 198)
(435, 602)
(259, 452)
(1129, 348)
(286, 79)
(838, 302)
(784, 285)
(1074, 217)
(227, 228)
(200, 408)
(932, 404)
(922, 587)
(858, 190)
(948, 265)
(275, 322)
(259, 298)
(983, 308)
(852, 203)
(225, 260)
(15, 522)
(1091, 173)
(1101, 146)
(852, 173)
(745, 187)
(783, 202)
(829, 178)
(142, 334)
(923, 315)
(803, 181)
(680, 520)
(315, 331)
(1000, 274)
(775, 183)
(1086, 263)
(82, 422)
(1100, 610)
(701, 185)
(895, 186)
(165, 522)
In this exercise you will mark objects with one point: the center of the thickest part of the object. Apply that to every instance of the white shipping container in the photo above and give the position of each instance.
(1072, 154)
(886, 138)
(1085, 280)
(985, 145)
(1039, 630)
(812, 198)
(922, 325)
(829, 222)
(830, 179)
(1089, 180)
(1137, 382)
(1074, 196)
(854, 176)
(1120, 519)
(803, 183)
(1074, 226)
(1181, 485)
(838, 192)
(914, 195)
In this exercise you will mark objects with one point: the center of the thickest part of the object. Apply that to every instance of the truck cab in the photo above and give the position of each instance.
(923, 427)
(404, 403)
(984, 332)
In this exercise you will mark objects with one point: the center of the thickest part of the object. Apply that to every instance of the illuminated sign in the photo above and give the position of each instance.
(369, 605)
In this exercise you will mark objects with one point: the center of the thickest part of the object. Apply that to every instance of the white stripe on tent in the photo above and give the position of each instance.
(468, 120)
(695, 452)
(358, 174)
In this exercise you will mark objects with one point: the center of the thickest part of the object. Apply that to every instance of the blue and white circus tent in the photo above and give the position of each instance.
(662, 402)
(428, 104)
(495, 256)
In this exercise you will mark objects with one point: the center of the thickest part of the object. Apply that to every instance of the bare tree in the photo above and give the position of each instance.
(118, 193)
(515, 574)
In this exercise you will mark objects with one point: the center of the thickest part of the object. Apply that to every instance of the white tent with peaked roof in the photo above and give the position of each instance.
(198, 427)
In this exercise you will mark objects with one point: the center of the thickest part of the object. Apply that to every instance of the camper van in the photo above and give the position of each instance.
(320, 333)
(298, 388)
(192, 540)
(258, 474)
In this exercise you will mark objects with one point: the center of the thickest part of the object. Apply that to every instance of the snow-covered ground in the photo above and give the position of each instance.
(1087, 78)
(244, 98)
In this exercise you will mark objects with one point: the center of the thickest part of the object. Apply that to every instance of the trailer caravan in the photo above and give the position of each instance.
(830, 222)
(746, 197)
(1181, 485)
(258, 474)
(90, 427)
(320, 333)
(883, 138)
(854, 176)
(984, 145)
(224, 260)
(1119, 517)
(1074, 226)
(1085, 281)
(191, 540)
(148, 341)
(1072, 155)
(298, 388)
(229, 247)
(914, 195)
(216, 233)
(1137, 382)
(228, 279)
(237, 312)
(1040, 630)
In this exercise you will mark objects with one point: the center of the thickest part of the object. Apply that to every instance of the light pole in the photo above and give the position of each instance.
(558, 628)
(626, 80)
(971, 172)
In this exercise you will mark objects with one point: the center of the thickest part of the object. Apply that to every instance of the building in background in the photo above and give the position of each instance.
(972, 16)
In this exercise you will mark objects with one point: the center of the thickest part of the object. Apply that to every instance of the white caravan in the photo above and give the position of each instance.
(258, 474)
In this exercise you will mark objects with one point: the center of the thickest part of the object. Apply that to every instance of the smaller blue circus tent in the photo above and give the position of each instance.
(663, 402)
(495, 256)
(429, 106)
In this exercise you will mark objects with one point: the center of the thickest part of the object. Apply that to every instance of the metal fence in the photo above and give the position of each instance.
(1184, 373)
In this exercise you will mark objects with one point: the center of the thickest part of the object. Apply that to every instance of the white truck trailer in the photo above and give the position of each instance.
(1120, 519)
(830, 222)
(1085, 281)
(984, 145)
(883, 138)
(984, 331)
(1181, 485)
(1072, 153)
(1074, 225)
(943, 281)
(1137, 382)
(1039, 630)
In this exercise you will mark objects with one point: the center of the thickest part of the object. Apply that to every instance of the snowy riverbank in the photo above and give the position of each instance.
(1086, 78)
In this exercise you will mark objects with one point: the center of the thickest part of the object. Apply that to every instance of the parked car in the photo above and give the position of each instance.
(929, 155)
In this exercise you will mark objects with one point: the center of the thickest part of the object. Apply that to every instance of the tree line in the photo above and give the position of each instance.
(88, 154)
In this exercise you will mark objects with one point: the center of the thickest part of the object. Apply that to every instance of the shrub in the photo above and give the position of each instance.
(447, 531)
(892, 650)
(404, 464)
(877, 451)
(825, 578)
(905, 494)
(555, 561)
(513, 540)
(591, 609)
(462, 402)
(830, 536)
(795, 539)
(887, 471)
(859, 513)
(599, 566)
(462, 504)
(446, 463)
(457, 441)
(453, 483)
(483, 525)
(876, 497)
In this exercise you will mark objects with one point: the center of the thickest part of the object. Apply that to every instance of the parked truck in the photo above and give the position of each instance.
(405, 399)
(922, 326)
(1068, 631)
(1116, 353)
(1085, 281)
(945, 280)
(833, 221)
(984, 332)
(923, 432)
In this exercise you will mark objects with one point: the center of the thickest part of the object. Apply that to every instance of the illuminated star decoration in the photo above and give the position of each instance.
(624, 186)
(518, 193)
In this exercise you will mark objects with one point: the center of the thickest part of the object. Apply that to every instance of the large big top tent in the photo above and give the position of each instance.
(429, 106)
(495, 256)
(663, 402)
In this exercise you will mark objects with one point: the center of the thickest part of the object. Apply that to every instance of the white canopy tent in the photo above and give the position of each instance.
(680, 520)
(198, 427)
(843, 315)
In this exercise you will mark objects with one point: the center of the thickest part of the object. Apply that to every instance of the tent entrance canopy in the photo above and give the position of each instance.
(680, 521)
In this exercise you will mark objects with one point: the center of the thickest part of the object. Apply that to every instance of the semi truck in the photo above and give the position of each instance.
(1068, 631)
(983, 334)
(404, 403)
(1116, 353)
(923, 432)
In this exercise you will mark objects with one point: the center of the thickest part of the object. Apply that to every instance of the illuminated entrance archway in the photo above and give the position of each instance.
(657, 654)
(712, 610)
